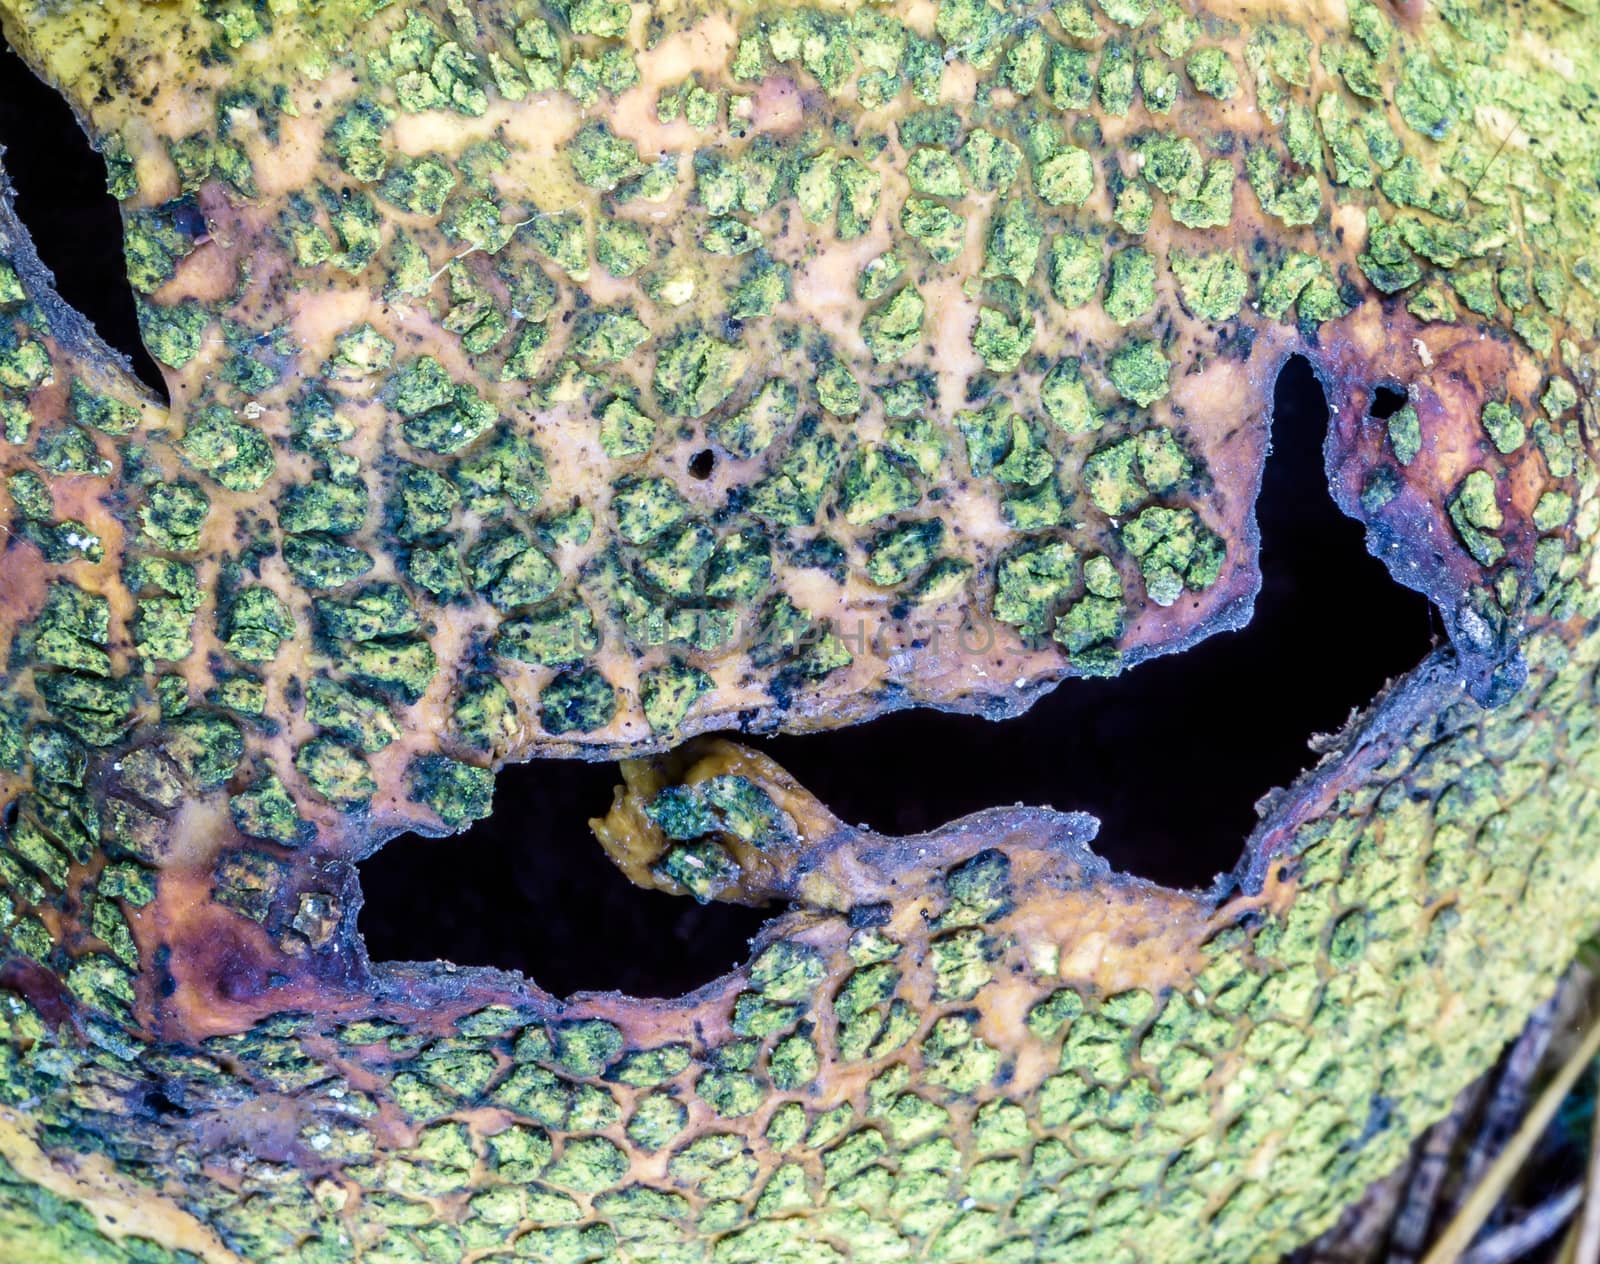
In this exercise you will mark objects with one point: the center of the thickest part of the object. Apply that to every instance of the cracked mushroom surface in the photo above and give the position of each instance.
(573, 380)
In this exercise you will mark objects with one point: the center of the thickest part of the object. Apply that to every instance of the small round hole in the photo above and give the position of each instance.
(1387, 400)
(702, 463)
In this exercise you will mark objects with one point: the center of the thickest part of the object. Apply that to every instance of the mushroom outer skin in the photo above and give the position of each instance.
(977, 313)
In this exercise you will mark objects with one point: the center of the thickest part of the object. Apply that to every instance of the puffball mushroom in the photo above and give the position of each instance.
(575, 380)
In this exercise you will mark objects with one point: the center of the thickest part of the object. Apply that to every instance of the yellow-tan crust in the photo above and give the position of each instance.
(541, 386)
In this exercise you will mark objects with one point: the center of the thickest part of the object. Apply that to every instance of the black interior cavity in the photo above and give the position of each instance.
(1388, 398)
(1171, 756)
(60, 182)
(529, 889)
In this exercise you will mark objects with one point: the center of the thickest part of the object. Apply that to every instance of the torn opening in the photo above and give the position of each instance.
(529, 889)
(1173, 755)
(60, 182)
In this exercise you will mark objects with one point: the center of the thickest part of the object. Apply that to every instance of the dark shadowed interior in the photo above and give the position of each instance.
(1171, 756)
(61, 196)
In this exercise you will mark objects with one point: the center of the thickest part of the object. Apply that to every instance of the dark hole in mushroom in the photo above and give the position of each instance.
(1172, 757)
(60, 182)
(529, 889)
(160, 1105)
(1387, 400)
(702, 463)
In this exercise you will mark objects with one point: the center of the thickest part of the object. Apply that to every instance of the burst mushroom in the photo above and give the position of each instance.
(574, 380)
